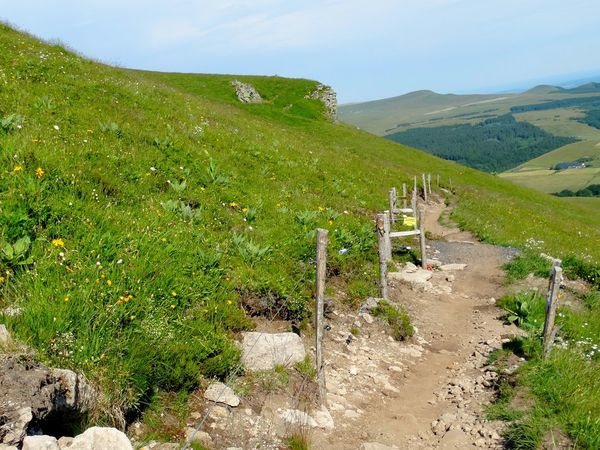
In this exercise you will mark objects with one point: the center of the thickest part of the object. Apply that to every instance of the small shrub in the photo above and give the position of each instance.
(306, 368)
(525, 309)
(397, 319)
(111, 128)
(273, 380)
(11, 123)
(297, 441)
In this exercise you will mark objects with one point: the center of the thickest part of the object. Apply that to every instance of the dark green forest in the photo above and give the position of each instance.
(494, 145)
(593, 190)
(585, 102)
(592, 118)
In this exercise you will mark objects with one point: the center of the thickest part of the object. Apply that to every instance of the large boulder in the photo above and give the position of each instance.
(329, 99)
(101, 438)
(246, 93)
(42, 442)
(221, 393)
(264, 351)
(36, 399)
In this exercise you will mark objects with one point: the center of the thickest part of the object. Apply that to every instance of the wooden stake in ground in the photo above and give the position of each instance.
(403, 195)
(388, 241)
(422, 238)
(322, 238)
(413, 205)
(437, 177)
(382, 239)
(551, 307)
(415, 187)
(424, 189)
(393, 200)
(429, 182)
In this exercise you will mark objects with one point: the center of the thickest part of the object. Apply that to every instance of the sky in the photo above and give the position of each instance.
(364, 49)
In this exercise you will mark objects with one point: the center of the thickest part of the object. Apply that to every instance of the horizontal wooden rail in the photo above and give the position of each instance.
(397, 234)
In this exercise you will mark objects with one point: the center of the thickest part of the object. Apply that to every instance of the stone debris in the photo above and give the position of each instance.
(416, 278)
(452, 267)
(329, 99)
(221, 393)
(246, 93)
(32, 392)
(264, 351)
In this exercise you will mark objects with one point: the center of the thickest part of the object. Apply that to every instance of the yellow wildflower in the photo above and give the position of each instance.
(39, 172)
(202, 188)
(330, 222)
(172, 306)
(321, 209)
(109, 282)
(66, 299)
(244, 209)
(17, 168)
(229, 302)
(2, 279)
(174, 294)
(233, 204)
(58, 242)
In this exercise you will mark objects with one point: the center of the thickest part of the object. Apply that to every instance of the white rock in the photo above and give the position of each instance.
(368, 318)
(8, 447)
(297, 417)
(353, 370)
(323, 419)
(410, 268)
(193, 435)
(40, 443)
(101, 438)
(4, 335)
(219, 392)
(451, 267)
(65, 442)
(263, 351)
(376, 446)
(418, 277)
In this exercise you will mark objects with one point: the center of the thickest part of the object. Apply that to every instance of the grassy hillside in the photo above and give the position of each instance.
(144, 217)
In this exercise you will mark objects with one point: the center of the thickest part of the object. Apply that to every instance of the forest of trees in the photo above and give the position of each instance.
(593, 190)
(585, 102)
(494, 145)
(592, 118)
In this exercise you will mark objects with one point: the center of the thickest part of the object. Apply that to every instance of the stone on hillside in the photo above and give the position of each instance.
(192, 435)
(264, 351)
(370, 303)
(368, 318)
(4, 335)
(323, 419)
(409, 267)
(42, 442)
(219, 392)
(8, 447)
(65, 442)
(101, 438)
(418, 278)
(376, 446)
(297, 417)
(451, 267)
(246, 93)
(329, 99)
(33, 393)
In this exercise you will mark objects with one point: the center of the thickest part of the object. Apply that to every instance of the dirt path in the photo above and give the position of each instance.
(428, 393)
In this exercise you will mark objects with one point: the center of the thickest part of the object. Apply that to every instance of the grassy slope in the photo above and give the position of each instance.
(126, 261)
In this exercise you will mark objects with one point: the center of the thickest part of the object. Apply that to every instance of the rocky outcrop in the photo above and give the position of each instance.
(35, 398)
(264, 351)
(40, 443)
(221, 393)
(100, 438)
(329, 99)
(246, 93)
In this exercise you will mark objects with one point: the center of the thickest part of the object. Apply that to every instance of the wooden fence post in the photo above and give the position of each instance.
(422, 238)
(404, 195)
(413, 205)
(388, 241)
(380, 228)
(424, 189)
(415, 187)
(437, 177)
(551, 306)
(429, 183)
(393, 200)
(322, 239)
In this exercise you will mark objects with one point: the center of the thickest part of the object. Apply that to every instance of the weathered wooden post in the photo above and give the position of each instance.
(551, 307)
(429, 183)
(424, 189)
(404, 195)
(413, 205)
(437, 180)
(322, 239)
(393, 200)
(415, 187)
(382, 239)
(422, 238)
(388, 241)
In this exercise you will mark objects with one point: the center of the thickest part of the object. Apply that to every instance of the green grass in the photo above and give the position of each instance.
(157, 207)
(396, 318)
(564, 387)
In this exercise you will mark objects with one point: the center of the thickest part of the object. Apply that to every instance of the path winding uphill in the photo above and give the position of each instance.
(428, 393)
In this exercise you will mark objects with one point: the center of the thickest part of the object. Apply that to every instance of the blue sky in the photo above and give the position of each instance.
(364, 49)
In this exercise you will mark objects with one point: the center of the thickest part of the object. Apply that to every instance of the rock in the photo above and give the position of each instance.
(219, 392)
(420, 277)
(246, 93)
(65, 442)
(4, 335)
(8, 447)
(376, 446)
(191, 436)
(368, 318)
(329, 99)
(42, 442)
(323, 419)
(453, 439)
(263, 351)
(370, 303)
(33, 393)
(297, 417)
(101, 438)
(450, 278)
(451, 267)
(409, 267)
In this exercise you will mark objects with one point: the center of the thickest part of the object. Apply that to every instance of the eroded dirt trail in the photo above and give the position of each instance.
(427, 393)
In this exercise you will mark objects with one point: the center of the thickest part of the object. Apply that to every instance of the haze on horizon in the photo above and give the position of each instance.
(365, 50)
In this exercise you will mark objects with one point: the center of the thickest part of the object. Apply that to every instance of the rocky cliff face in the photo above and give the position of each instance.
(246, 93)
(329, 99)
